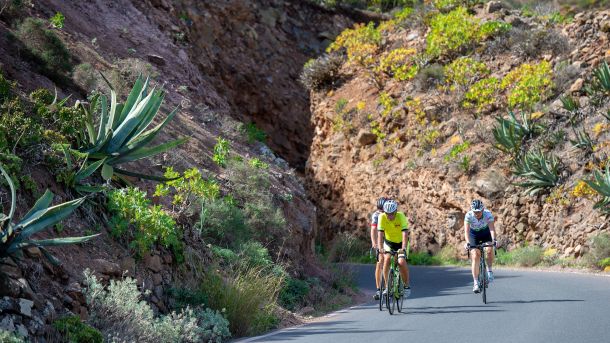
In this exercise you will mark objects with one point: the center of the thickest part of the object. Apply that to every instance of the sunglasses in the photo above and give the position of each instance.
(477, 211)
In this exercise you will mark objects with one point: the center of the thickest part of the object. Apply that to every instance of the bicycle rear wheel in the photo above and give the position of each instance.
(381, 300)
(390, 300)
(400, 296)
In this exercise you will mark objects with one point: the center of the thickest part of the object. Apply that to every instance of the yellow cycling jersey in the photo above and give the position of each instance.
(393, 228)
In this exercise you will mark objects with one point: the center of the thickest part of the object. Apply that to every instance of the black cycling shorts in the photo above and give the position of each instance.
(479, 237)
(391, 245)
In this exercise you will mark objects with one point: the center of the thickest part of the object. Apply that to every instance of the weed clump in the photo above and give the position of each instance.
(45, 46)
(321, 72)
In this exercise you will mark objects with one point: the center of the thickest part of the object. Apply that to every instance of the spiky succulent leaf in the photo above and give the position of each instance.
(46, 217)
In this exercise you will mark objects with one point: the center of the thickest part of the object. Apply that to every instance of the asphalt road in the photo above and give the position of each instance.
(522, 306)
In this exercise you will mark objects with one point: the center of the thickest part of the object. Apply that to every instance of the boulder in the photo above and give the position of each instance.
(25, 307)
(153, 263)
(366, 138)
(577, 85)
(106, 267)
(493, 6)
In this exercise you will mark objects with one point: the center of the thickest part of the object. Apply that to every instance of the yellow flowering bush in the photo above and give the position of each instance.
(463, 72)
(582, 190)
(483, 95)
(399, 64)
(451, 31)
(528, 84)
(360, 43)
(387, 103)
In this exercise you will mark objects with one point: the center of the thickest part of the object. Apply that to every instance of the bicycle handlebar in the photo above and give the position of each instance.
(481, 246)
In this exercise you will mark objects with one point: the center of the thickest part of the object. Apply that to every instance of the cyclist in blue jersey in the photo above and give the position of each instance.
(478, 229)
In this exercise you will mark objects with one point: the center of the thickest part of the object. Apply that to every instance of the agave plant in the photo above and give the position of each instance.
(583, 141)
(16, 236)
(510, 134)
(601, 184)
(122, 134)
(539, 170)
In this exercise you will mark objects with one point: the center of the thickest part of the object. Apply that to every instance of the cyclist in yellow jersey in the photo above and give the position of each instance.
(392, 229)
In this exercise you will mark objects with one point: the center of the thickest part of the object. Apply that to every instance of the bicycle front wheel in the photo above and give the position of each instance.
(400, 296)
(390, 300)
(483, 277)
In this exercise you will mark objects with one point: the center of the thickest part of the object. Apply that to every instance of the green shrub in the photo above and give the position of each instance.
(321, 72)
(45, 46)
(68, 122)
(223, 222)
(17, 127)
(456, 150)
(213, 326)
(121, 315)
(188, 190)
(360, 43)
(254, 255)
(6, 88)
(75, 331)
(448, 5)
(251, 188)
(221, 151)
(448, 255)
(539, 170)
(493, 28)
(293, 293)
(482, 95)
(463, 72)
(528, 84)
(599, 250)
(399, 64)
(451, 32)
(347, 246)
(9, 337)
(247, 298)
(57, 21)
(253, 133)
(527, 256)
(134, 218)
(422, 259)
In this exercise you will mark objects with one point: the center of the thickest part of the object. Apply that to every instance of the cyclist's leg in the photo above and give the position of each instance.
(378, 269)
(386, 262)
(475, 256)
(404, 269)
(486, 237)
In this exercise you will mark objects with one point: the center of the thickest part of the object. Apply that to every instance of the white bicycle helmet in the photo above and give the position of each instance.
(390, 206)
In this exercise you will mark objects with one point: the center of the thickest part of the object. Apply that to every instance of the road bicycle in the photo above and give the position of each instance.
(394, 298)
(483, 279)
(374, 255)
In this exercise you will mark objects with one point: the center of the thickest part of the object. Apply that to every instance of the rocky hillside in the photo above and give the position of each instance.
(411, 110)
(231, 69)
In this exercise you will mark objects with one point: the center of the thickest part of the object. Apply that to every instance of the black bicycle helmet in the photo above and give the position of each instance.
(477, 205)
(380, 203)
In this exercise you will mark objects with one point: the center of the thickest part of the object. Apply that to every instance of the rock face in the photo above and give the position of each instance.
(254, 52)
(346, 175)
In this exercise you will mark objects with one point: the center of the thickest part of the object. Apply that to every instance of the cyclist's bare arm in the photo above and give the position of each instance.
(404, 240)
(374, 236)
(380, 238)
(492, 229)
(467, 231)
